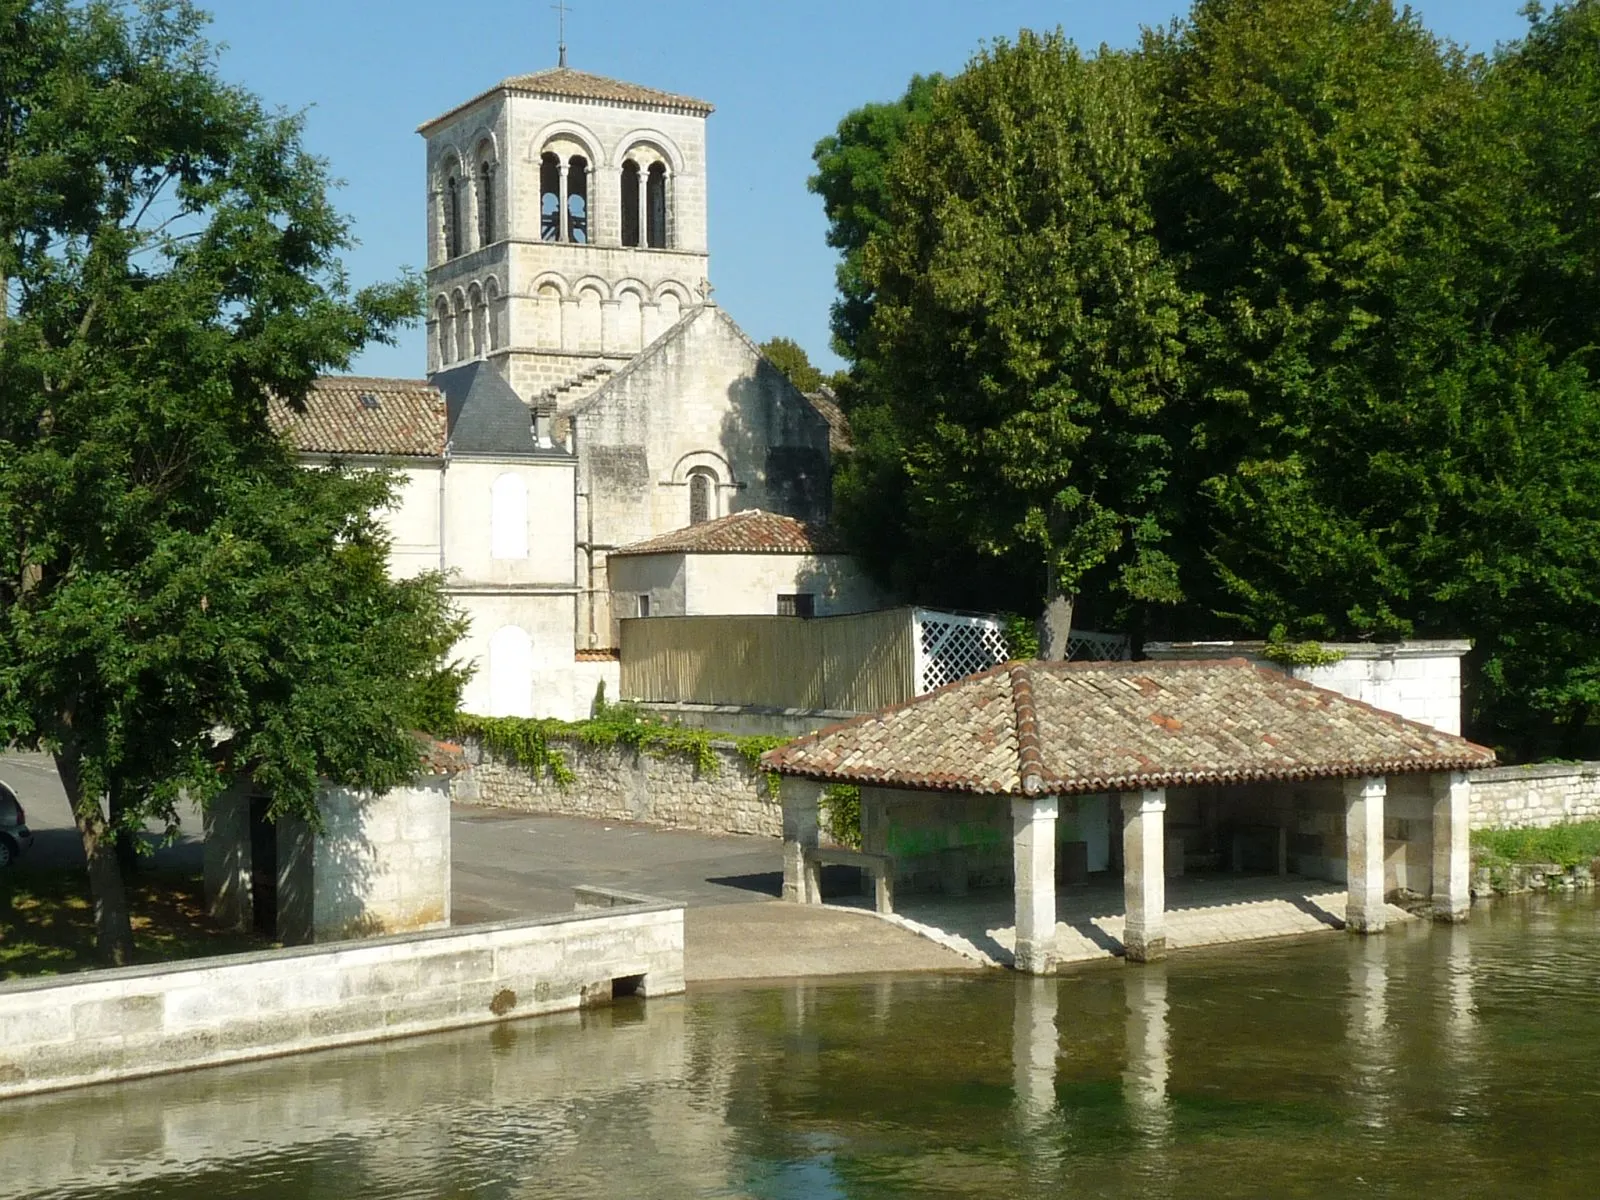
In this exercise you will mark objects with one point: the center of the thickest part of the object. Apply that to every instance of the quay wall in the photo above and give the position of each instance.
(136, 1021)
(1535, 797)
(618, 783)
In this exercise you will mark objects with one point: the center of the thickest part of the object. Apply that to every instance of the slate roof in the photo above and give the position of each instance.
(356, 414)
(752, 531)
(486, 416)
(827, 406)
(1036, 728)
(568, 84)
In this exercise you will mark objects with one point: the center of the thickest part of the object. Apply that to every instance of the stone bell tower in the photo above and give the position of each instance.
(566, 228)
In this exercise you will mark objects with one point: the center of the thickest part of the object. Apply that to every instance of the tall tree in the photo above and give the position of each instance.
(790, 357)
(1024, 327)
(853, 180)
(179, 600)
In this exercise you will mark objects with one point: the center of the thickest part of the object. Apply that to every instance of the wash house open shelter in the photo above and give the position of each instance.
(1039, 772)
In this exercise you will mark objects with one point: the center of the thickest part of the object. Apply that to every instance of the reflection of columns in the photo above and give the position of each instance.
(1033, 846)
(1144, 1077)
(801, 800)
(561, 195)
(1035, 1043)
(1144, 885)
(1363, 832)
(1368, 1028)
(1452, 856)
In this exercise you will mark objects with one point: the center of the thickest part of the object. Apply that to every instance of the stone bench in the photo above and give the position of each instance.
(879, 866)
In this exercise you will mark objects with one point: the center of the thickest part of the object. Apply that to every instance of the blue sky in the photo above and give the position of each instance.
(781, 75)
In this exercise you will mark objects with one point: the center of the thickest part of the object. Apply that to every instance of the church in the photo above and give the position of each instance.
(584, 395)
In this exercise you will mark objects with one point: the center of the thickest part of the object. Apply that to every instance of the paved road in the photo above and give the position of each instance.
(508, 864)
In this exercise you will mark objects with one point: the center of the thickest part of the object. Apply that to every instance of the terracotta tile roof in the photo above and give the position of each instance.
(749, 532)
(1073, 728)
(600, 654)
(568, 84)
(353, 414)
(827, 406)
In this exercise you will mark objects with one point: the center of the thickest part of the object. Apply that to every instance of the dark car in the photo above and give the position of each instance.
(14, 835)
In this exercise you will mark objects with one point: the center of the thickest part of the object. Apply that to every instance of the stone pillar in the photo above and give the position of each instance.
(1452, 853)
(561, 211)
(644, 206)
(802, 883)
(1363, 832)
(1033, 847)
(1144, 884)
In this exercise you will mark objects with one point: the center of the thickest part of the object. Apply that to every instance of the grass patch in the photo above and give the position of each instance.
(47, 921)
(1567, 845)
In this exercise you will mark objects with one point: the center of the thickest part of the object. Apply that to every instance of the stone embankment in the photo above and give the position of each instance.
(122, 1024)
(1511, 879)
(619, 783)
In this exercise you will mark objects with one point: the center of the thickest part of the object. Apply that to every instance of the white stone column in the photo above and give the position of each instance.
(801, 804)
(644, 206)
(1363, 832)
(1144, 883)
(1033, 846)
(1452, 852)
(561, 194)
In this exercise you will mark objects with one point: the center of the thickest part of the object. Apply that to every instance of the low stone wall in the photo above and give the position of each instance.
(1536, 796)
(747, 720)
(121, 1024)
(617, 783)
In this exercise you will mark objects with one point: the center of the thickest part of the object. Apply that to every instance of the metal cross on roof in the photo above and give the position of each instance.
(561, 8)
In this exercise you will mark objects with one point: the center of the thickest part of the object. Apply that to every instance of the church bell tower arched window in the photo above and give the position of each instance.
(630, 203)
(452, 217)
(656, 207)
(700, 497)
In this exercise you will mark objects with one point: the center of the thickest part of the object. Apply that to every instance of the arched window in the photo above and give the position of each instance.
(550, 198)
(510, 672)
(491, 302)
(463, 316)
(508, 517)
(452, 217)
(442, 329)
(578, 199)
(485, 203)
(701, 500)
(631, 210)
(479, 315)
(656, 207)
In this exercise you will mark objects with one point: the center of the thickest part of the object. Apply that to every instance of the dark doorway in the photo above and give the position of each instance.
(263, 868)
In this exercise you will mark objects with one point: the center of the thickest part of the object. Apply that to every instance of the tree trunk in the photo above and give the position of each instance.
(1055, 627)
(113, 927)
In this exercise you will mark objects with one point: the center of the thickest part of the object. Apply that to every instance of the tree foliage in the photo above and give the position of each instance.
(179, 600)
(1290, 314)
(791, 358)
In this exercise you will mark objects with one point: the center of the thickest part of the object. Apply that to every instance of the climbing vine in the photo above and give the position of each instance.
(1279, 649)
(527, 741)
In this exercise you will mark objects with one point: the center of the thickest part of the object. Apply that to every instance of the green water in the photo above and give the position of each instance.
(1427, 1062)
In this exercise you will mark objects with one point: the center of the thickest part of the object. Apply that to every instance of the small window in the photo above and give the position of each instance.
(486, 204)
(550, 198)
(452, 217)
(699, 497)
(644, 604)
(656, 207)
(578, 200)
(631, 210)
(800, 604)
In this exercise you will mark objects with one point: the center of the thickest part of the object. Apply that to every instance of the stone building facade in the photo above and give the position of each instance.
(584, 390)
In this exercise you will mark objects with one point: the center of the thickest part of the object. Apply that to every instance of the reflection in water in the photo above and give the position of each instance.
(1449, 1061)
(1371, 1051)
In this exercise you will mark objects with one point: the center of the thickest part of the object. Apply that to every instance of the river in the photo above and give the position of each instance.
(1425, 1062)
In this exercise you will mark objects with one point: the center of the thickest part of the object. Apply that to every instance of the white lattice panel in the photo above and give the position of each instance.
(951, 647)
(1086, 646)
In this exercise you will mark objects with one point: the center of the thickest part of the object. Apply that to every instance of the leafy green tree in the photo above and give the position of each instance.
(1025, 324)
(852, 179)
(790, 357)
(179, 601)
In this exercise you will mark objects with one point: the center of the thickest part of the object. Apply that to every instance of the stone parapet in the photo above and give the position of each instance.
(1536, 796)
(618, 783)
(121, 1024)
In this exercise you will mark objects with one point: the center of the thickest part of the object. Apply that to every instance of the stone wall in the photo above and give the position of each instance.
(121, 1024)
(1535, 796)
(619, 784)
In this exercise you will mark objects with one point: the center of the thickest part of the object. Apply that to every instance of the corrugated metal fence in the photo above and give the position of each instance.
(856, 663)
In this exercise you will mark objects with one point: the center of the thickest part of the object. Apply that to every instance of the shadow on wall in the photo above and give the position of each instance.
(777, 446)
